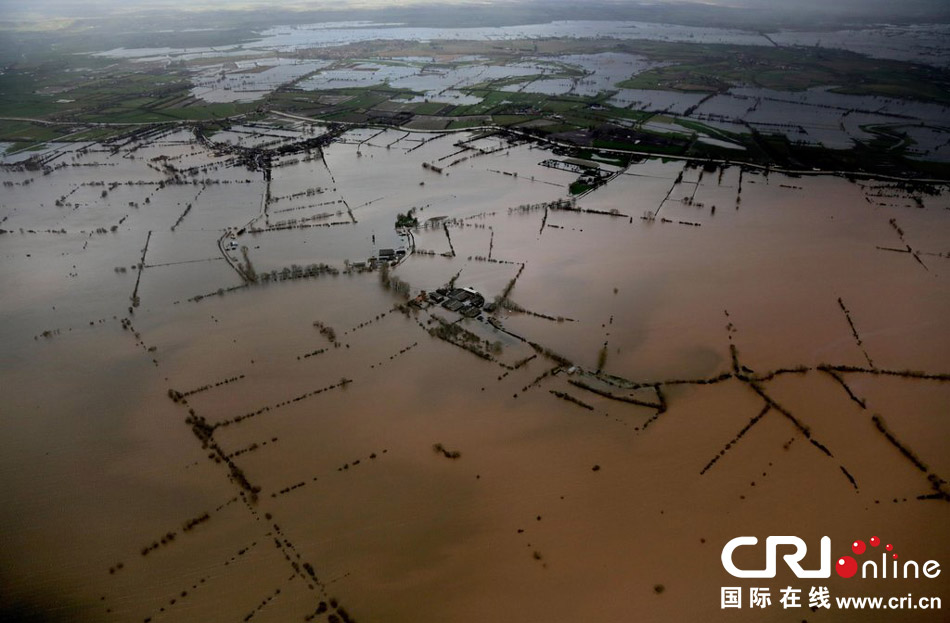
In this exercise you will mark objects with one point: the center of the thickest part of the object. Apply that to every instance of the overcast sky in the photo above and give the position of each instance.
(93, 5)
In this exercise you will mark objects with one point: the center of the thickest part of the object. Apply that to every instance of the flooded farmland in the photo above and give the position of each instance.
(918, 42)
(450, 87)
(300, 372)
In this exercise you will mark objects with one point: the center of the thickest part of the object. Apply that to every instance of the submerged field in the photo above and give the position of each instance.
(268, 429)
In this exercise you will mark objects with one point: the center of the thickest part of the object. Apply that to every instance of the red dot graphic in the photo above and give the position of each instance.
(846, 566)
(875, 541)
(858, 547)
(888, 547)
(895, 556)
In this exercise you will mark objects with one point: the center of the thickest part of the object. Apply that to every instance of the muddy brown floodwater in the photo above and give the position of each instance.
(679, 357)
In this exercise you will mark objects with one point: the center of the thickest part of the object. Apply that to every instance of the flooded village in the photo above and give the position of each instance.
(295, 365)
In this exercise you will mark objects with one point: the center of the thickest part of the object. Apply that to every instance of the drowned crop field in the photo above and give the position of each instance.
(235, 390)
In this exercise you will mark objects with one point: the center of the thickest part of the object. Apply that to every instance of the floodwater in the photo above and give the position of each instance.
(822, 117)
(817, 116)
(600, 72)
(246, 81)
(597, 509)
(922, 43)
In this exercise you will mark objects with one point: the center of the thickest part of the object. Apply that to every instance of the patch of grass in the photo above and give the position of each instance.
(429, 108)
(511, 119)
(25, 132)
(459, 124)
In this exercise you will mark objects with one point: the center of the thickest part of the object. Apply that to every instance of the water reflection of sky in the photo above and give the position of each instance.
(815, 116)
(322, 35)
(247, 81)
(924, 43)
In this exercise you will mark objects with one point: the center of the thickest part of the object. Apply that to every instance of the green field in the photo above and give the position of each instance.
(715, 68)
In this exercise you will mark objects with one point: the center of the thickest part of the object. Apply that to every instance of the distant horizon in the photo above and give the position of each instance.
(742, 12)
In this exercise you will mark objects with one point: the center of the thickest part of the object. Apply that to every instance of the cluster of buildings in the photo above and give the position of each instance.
(391, 255)
(464, 301)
